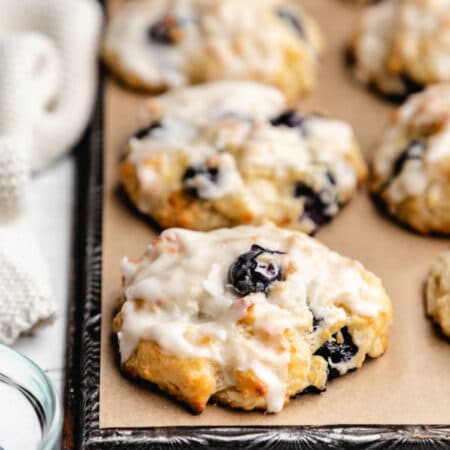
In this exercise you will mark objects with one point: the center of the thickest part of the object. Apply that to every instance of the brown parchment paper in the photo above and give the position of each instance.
(410, 384)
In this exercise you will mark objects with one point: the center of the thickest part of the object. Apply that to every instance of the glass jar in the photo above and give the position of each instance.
(30, 415)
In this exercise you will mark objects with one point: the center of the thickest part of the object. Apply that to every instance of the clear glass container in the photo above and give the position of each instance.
(30, 416)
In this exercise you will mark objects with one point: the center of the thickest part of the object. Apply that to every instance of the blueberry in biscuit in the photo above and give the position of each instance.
(255, 271)
(340, 349)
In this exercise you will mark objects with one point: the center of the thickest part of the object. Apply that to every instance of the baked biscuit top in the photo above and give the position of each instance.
(252, 298)
(162, 44)
(400, 45)
(234, 149)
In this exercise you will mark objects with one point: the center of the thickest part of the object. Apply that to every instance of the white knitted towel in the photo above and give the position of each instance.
(48, 52)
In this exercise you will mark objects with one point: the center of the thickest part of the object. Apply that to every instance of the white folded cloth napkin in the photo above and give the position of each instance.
(48, 54)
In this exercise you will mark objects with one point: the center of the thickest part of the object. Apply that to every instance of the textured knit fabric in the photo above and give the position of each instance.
(48, 51)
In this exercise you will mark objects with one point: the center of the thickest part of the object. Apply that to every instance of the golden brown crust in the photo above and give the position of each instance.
(425, 215)
(191, 381)
(438, 292)
(194, 381)
(127, 76)
(178, 209)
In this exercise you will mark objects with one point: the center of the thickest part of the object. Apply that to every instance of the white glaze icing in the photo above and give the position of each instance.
(229, 179)
(183, 283)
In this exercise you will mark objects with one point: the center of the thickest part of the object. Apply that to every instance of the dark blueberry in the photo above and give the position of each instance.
(309, 390)
(337, 353)
(313, 207)
(211, 173)
(292, 20)
(248, 275)
(349, 57)
(411, 86)
(144, 132)
(414, 150)
(316, 322)
(316, 204)
(200, 170)
(162, 32)
(291, 119)
(330, 177)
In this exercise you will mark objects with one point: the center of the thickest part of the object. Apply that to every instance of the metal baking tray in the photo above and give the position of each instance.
(81, 400)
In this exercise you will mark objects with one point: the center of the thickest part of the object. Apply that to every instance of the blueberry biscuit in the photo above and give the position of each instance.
(438, 292)
(411, 167)
(161, 44)
(229, 153)
(401, 46)
(247, 316)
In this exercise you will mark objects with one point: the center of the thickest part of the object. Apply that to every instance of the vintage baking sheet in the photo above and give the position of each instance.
(409, 385)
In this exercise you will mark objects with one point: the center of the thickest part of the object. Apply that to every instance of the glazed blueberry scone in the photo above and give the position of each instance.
(438, 292)
(229, 153)
(400, 46)
(161, 44)
(411, 166)
(247, 317)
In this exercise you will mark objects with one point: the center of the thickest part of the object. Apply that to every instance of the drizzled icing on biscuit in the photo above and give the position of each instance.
(219, 143)
(178, 296)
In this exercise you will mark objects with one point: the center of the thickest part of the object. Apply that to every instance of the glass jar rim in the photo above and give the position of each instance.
(26, 376)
